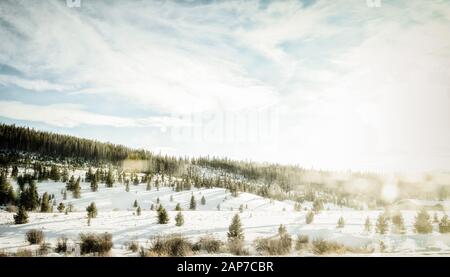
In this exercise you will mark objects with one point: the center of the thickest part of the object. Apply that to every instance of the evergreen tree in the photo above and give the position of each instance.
(179, 219)
(317, 206)
(61, 207)
(341, 222)
(54, 173)
(94, 183)
(71, 184)
(178, 207)
(127, 186)
(399, 223)
(163, 216)
(109, 179)
(138, 210)
(157, 200)
(423, 222)
(367, 225)
(193, 204)
(241, 208)
(29, 197)
(21, 217)
(15, 172)
(76, 192)
(135, 204)
(92, 210)
(45, 207)
(65, 175)
(382, 225)
(89, 175)
(7, 195)
(235, 231)
(203, 200)
(152, 207)
(309, 217)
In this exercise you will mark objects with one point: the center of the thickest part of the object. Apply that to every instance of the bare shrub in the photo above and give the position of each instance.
(171, 246)
(133, 246)
(35, 236)
(61, 245)
(301, 242)
(274, 246)
(236, 247)
(321, 246)
(44, 249)
(209, 244)
(95, 243)
(23, 253)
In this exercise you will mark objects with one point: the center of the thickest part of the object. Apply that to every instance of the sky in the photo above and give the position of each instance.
(354, 84)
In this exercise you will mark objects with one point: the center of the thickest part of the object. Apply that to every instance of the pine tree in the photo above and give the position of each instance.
(203, 200)
(94, 183)
(309, 217)
(21, 217)
(138, 210)
(7, 195)
(317, 206)
(367, 225)
(178, 207)
(71, 183)
(15, 172)
(340, 223)
(54, 173)
(109, 179)
(29, 198)
(152, 207)
(157, 200)
(193, 204)
(76, 192)
(61, 207)
(399, 223)
(235, 231)
(423, 223)
(241, 208)
(163, 216)
(89, 175)
(179, 219)
(127, 186)
(92, 210)
(382, 225)
(135, 204)
(65, 175)
(45, 207)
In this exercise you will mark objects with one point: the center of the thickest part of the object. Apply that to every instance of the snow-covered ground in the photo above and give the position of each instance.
(260, 218)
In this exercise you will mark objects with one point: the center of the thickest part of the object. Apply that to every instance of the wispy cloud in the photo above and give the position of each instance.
(72, 115)
(34, 85)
